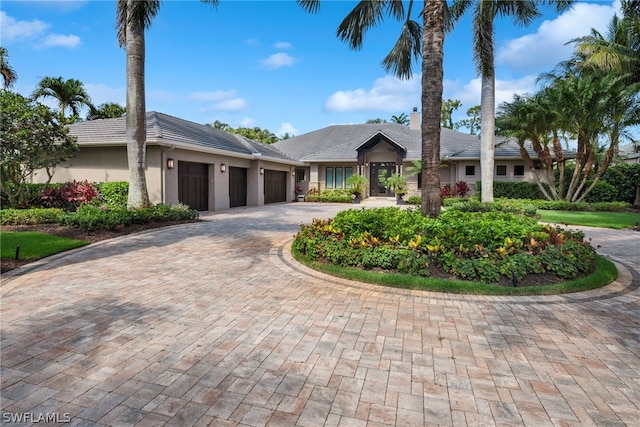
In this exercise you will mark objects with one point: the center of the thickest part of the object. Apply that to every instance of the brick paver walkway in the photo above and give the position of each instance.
(214, 324)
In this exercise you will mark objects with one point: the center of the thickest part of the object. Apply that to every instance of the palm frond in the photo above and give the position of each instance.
(311, 6)
(407, 48)
(365, 15)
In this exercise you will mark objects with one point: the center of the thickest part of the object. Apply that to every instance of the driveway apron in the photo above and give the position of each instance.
(214, 323)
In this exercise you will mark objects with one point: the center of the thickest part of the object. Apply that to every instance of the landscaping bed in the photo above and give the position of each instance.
(474, 249)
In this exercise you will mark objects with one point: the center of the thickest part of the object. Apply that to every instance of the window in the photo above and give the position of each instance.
(337, 177)
(518, 170)
(339, 180)
(300, 176)
(347, 173)
(501, 170)
(470, 170)
(328, 181)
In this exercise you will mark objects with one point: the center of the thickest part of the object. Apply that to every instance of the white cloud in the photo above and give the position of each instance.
(286, 128)
(53, 40)
(387, 94)
(542, 50)
(247, 122)
(252, 42)
(235, 104)
(469, 93)
(13, 29)
(277, 60)
(223, 100)
(282, 45)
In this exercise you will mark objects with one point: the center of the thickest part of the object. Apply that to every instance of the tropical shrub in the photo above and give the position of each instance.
(113, 193)
(459, 189)
(490, 246)
(414, 200)
(625, 178)
(32, 216)
(90, 217)
(338, 195)
(68, 196)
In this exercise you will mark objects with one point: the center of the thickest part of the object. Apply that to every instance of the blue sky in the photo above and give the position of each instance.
(269, 63)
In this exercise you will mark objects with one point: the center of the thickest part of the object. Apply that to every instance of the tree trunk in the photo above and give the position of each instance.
(636, 202)
(136, 112)
(432, 74)
(487, 132)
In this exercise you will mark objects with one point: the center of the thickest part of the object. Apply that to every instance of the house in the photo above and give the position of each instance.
(210, 169)
(203, 167)
(630, 154)
(334, 153)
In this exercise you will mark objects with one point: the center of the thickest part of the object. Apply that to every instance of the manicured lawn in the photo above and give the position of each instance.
(617, 220)
(34, 245)
(604, 274)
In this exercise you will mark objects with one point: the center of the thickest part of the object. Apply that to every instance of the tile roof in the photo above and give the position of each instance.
(162, 128)
(340, 142)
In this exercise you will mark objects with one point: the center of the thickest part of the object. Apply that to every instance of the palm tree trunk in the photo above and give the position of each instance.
(432, 73)
(487, 132)
(136, 112)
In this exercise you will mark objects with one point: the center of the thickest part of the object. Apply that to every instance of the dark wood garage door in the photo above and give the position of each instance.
(193, 185)
(275, 186)
(237, 187)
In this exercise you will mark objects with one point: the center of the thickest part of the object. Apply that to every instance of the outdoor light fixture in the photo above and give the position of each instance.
(293, 173)
(366, 165)
(170, 164)
(223, 167)
(261, 171)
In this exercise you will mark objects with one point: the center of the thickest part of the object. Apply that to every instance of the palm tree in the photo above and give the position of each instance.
(8, 74)
(484, 13)
(107, 110)
(412, 43)
(69, 93)
(617, 50)
(133, 17)
(402, 119)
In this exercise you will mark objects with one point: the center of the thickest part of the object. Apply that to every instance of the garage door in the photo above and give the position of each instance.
(237, 187)
(275, 186)
(193, 185)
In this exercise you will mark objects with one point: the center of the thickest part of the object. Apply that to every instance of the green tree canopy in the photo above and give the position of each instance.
(446, 112)
(107, 110)
(33, 138)
(69, 93)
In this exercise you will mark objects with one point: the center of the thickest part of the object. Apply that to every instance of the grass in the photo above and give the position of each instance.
(34, 245)
(605, 273)
(616, 220)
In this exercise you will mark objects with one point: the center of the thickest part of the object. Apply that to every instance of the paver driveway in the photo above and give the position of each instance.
(213, 324)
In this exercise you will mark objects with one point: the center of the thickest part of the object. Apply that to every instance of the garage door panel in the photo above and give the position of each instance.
(193, 185)
(237, 187)
(275, 186)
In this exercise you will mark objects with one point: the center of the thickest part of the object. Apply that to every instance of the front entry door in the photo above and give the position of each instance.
(380, 170)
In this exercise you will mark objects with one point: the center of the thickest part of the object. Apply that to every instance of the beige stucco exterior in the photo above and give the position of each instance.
(109, 164)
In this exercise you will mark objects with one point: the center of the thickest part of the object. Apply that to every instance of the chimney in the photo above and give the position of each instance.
(414, 120)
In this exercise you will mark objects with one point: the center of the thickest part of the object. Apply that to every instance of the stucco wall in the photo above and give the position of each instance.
(108, 164)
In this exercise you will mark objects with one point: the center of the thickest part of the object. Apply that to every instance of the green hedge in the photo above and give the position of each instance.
(618, 184)
(32, 216)
(331, 196)
(90, 217)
